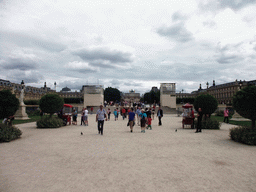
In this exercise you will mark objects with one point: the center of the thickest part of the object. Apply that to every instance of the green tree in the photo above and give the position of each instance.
(51, 103)
(244, 102)
(151, 97)
(207, 103)
(112, 94)
(9, 104)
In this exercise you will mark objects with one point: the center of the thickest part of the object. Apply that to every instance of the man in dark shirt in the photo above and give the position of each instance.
(199, 120)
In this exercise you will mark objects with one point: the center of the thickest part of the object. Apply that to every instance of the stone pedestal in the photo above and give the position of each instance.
(237, 117)
(21, 113)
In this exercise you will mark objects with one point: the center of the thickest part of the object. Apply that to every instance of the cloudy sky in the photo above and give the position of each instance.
(133, 44)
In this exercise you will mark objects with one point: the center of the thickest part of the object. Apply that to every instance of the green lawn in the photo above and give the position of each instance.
(242, 123)
(32, 119)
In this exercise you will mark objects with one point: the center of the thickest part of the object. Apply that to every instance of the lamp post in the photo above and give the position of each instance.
(240, 84)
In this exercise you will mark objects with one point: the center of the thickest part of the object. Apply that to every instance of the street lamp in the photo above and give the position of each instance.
(22, 84)
(240, 84)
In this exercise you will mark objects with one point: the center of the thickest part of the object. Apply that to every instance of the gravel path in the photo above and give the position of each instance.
(159, 160)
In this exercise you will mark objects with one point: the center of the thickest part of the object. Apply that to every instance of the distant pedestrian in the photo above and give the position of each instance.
(138, 112)
(86, 112)
(82, 117)
(131, 115)
(123, 113)
(100, 115)
(91, 110)
(109, 112)
(143, 120)
(226, 113)
(149, 123)
(199, 120)
(160, 115)
(74, 115)
(115, 114)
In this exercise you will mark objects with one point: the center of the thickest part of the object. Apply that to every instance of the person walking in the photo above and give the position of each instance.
(143, 120)
(115, 114)
(131, 115)
(149, 122)
(86, 112)
(109, 112)
(82, 117)
(91, 110)
(100, 115)
(138, 112)
(160, 115)
(199, 120)
(74, 114)
(226, 112)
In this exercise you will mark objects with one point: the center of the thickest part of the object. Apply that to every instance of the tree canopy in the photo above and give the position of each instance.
(244, 102)
(112, 94)
(207, 103)
(51, 103)
(9, 104)
(151, 97)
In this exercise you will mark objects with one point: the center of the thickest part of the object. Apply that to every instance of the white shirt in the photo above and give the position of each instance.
(85, 112)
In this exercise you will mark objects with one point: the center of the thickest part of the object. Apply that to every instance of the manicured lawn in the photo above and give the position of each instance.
(243, 123)
(32, 119)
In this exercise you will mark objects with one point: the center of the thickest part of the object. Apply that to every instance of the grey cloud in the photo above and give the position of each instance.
(177, 32)
(28, 40)
(77, 85)
(209, 23)
(222, 4)
(17, 76)
(229, 54)
(177, 16)
(254, 48)
(132, 84)
(224, 59)
(104, 54)
(18, 63)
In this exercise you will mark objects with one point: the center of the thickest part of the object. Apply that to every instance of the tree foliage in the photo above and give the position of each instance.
(207, 103)
(112, 94)
(9, 104)
(244, 102)
(151, 97)
(51, 103)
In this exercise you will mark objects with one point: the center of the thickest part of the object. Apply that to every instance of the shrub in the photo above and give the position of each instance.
(209, 124)
(9, 104)
(243, 134)
(51, 103)
(220, 113)
(31, 102)
(9, 133)
(244, 102)
(47, 122)
(207, 103)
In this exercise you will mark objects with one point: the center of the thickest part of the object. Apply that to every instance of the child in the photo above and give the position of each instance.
(149, 123)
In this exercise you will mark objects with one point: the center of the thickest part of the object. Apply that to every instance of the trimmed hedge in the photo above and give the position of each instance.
(9, 133)
(209, 124)
(243, 134)
(46, 122)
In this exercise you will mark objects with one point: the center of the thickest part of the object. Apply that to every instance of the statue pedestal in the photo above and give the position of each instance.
(21, 113)
(237, 117)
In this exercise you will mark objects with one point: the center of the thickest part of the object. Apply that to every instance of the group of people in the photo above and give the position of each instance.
(143, 117)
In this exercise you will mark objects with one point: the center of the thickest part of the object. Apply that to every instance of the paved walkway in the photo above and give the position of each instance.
(159, 160)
